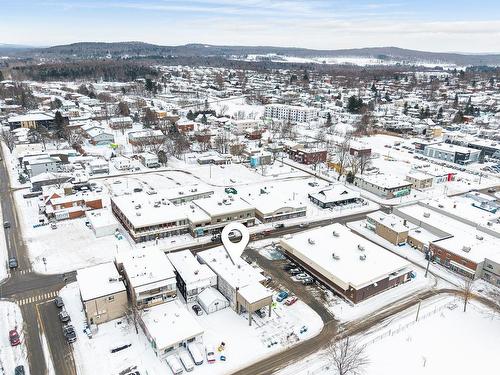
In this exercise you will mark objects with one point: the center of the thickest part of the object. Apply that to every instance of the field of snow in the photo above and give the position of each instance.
(236, 107)
(224, 325)
(71, 246)
(444, 340)
(10, 357)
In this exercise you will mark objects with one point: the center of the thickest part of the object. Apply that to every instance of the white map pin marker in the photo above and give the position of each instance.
(235, 249)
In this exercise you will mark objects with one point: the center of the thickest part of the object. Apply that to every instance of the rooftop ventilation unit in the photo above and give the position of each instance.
(479, 237)
(335, 256)
(311, 241)
(362, 257)
(361, 248)
(466, 249)
(335, 234)
(427, 214)
(138, 213)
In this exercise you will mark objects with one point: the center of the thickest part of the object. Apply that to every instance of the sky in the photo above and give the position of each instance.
(430, 25)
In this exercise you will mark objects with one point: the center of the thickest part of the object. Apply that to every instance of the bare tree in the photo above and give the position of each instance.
(73, 136)
(347, 357)
(133, 316)
(466, 290)
(8, 137)
(221, 142)
(343, 150)
(223, 110)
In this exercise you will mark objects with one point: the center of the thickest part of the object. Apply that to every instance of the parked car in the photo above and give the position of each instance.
(302, 276)
(289, 266)
(195, 353)
(69, 333)
(281, 296)
(279, 225)
(12, 263)
(304, 225)
(59, 302)
(294, 271)
(230, 190)
(308, 281)
(492, 190)
(186, 361)
(64, 316)
(197, 309)
(6, 224)
(260, 313)
(291, 300)
(14, 337)
(174, 364)
(210, 353)
(19, 370)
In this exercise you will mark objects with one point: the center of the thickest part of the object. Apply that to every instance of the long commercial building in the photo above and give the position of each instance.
(349, 264)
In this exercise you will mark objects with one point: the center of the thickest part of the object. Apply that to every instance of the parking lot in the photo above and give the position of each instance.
(282, 280)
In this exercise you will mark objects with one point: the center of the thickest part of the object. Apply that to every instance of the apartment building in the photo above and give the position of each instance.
(149, 276)
(102, 293)
(290, 113)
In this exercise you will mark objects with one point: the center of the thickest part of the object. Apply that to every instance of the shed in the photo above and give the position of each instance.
(211, 300)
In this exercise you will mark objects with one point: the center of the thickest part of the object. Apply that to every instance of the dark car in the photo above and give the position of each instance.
(12, 263)
(59, 302)
(6, 224)
(69, 333)
(289, 266)
(279, 225)
(64, 316)
(14, 337)
(19, 370)
(261, 313)
(197, 310)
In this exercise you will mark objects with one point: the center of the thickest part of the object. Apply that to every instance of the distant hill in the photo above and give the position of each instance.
(135, 49)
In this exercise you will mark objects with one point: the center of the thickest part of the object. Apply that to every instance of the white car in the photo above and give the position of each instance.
(174, 364)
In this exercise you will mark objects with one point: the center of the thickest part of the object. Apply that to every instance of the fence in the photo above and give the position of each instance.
(401, 328)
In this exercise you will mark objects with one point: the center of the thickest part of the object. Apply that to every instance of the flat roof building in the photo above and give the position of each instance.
(102, 292)
(192, 276)
(349, 264)
(169, 327)
(149, 276)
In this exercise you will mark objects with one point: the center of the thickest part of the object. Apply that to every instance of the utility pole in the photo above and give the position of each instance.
(418, 309)
(429, 256)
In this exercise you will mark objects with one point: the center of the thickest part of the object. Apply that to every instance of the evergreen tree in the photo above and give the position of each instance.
(204, 119)
(149, 85)
(405, 108)
(455, 101)
(1, 76)
(58, 123)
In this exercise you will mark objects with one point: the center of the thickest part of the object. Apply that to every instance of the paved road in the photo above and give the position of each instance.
(33, 293)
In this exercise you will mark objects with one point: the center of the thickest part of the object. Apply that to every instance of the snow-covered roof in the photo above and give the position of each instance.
(218, 205)
(170, 323)
(145, 266)
(189, 269)
(144, 210)
(389, 220)
(39, 116)
(272, 202)
(209, 296)
(384, 181)
(254, 292)
(236, 275)
(336, 252)
(464, 239)
(335, 193)
(99, 281)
